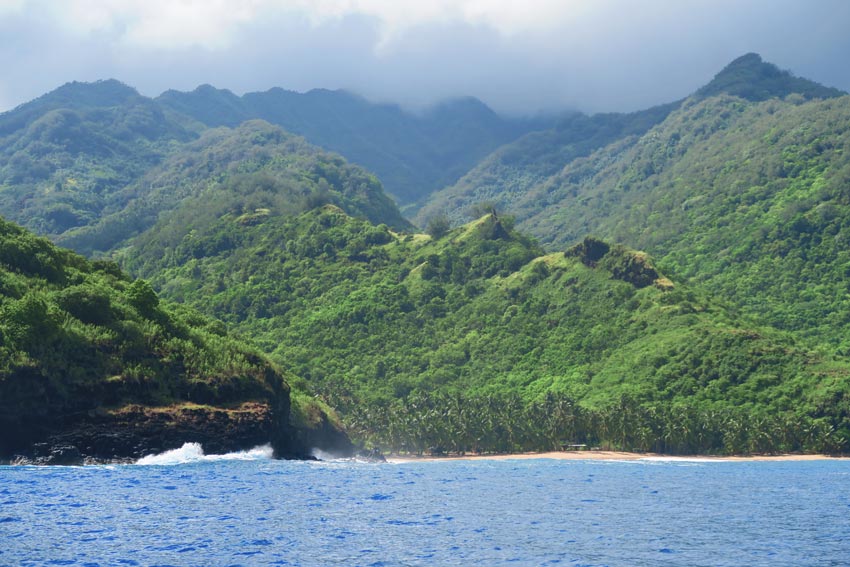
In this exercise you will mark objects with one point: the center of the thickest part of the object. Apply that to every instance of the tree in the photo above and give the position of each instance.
(438, 226)
(142, 296)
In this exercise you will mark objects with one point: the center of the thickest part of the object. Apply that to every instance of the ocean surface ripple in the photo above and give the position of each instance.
(189, 509)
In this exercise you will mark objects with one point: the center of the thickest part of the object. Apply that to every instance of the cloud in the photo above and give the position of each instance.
(516, 56)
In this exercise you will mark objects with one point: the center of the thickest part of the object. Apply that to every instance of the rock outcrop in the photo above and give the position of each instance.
(131, 432)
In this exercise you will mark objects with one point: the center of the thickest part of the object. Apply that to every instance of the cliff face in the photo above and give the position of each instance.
(94, 367)
(134, 431)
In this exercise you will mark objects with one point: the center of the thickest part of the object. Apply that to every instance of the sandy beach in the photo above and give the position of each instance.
(607, 456)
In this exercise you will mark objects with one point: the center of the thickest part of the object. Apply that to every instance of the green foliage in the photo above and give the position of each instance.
(438, 226)
(78, 337)
(740, 188)
(395, 331)
(411, 153)
(141, 295)
(64, 155)
(751, 78)
(254, 171)
(747, 199)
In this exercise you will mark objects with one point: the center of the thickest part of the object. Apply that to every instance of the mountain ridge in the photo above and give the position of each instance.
(410, 152)
(512, 171)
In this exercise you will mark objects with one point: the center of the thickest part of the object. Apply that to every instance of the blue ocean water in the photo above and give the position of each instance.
(250, 510)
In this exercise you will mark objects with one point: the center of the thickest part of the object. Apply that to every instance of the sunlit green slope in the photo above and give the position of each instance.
(395, 330)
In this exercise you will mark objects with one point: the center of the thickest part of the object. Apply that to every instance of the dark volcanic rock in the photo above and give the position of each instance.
(326, 436)
(135, 431)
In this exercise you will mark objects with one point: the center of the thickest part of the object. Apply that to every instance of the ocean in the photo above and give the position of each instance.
(186, 509)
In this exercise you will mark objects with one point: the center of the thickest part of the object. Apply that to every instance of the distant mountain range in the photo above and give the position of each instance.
(411, 153)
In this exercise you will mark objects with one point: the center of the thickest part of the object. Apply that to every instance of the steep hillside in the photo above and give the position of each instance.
(504, 178)
(748, 199)
(255, 169)
(94, 366)
(742, 192)
(63, 155)
(411, 154)
(753, 79)
(476, 340)
(511, 178)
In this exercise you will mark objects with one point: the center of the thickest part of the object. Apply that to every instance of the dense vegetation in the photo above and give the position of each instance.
(468, 342)
(745, 194)
(504, 178)
(64, 155)
(254, 170)
(78, 336)
(412, 154)
(748, 199)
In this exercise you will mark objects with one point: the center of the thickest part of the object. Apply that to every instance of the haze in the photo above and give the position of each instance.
(518, 57)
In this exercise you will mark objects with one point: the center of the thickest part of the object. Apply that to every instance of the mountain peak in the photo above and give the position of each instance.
(207, 104)
(754, 79)
(108, 92)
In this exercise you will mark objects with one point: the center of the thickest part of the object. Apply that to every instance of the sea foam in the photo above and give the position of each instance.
(194, 453)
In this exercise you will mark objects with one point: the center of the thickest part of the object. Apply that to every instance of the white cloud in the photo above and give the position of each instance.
(11, 6)
(213, 24)
(515, 55)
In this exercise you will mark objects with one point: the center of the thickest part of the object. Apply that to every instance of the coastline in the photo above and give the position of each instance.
(593, 455)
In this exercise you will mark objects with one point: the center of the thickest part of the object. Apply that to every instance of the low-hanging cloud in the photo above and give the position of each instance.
(519, 57)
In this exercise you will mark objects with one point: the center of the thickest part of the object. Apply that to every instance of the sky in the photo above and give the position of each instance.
(519, 57)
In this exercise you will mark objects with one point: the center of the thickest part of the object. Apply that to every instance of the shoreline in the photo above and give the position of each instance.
(593, 455)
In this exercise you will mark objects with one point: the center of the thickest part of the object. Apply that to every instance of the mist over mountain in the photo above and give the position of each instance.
(606, 56)
(412, 153)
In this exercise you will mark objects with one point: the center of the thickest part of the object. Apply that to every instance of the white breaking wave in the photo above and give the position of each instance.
(194, 453)
(324, 455)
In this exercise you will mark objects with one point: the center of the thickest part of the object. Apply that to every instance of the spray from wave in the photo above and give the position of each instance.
(194, 453)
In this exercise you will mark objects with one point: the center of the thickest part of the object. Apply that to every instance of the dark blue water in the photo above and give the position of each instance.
(530, 512)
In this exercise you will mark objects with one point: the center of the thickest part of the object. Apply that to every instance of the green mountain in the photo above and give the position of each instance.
(79, 161)
(751, 78)
(743, 195)
(93, 365)
(505, 177)
(477, 340)
(513, 177)
(255, 169)
(748, 199)
(412, 154)
(472, 338)
(63, 155)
